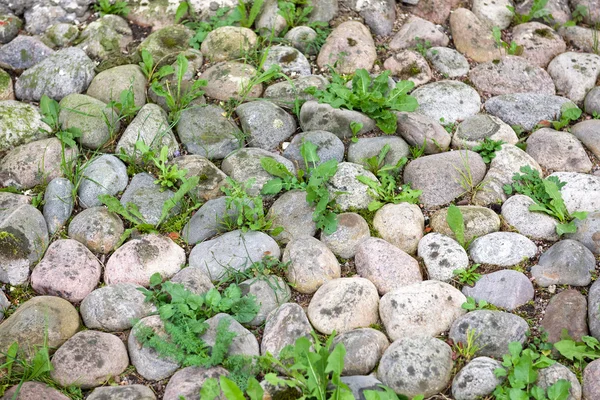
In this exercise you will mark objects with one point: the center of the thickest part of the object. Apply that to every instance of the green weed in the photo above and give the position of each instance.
(467, 276)
(547, 197)
(488, 148)
(370, 96)
(105, 7)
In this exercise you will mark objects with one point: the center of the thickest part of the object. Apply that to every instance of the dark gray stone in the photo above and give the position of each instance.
(526, 109)
(265, 124)
(58, 203)
(67, 71)
(104, 175)
(493, 331)
(567, 262)
(441, 176)
(507, 289)
(23, 52)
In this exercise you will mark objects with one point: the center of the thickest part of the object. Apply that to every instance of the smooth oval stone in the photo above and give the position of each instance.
(312, 264)
(32, 391)
(566, 310)
(447, 101)
(68, 270)
(416, 365)
(442, 256)
(355, 41)
(364, 348)
(58, 203)
(386, 265)
(41, 320)
(567, 262)
(129, 392)
(351, 231)
(477, 379)
(502, 248)
(88, 358)
(104, 175)
(270, 291)
(235, 251)
(507, 289)
(426, 308)
(188, 381)
(138, 259)
(493, 331)
(284, 326)
(344, 304)
(97, 228)
(114, 308)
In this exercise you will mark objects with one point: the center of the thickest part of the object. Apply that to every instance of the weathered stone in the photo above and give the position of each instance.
(31, 164)
(415, 31)
(67, 71)
(103, 175)
(349, 46)
(352, 230)
(96, 121)
(386, 265)
(150, 126)
(566, 310)
(97, 228)
(442, 255)
(207, 132)
(346, 190)
(165, 43)
(147, 361)
(292, 212)
(187, 382)
(420, 130)
(23, 52)
(493, 331)
(149, 198)
(243, 344)
(539, 42)
(447, 101)
(114, 308)
(511, 74)
(478, 221)
(472, 37)
(42, 320)
(128, 392)
(550, 375)
(409, 65)
(315, 116)
(574, 74)
(285, 93)
(58, 203)
(508, 161)
(343, 304)
(88, 358)
(364, 348)
(211, 178)
(477, 379)
(234, 250)
(506, 288)
(284, 326)
(474, 130)
(502, 248)
(231, 80)
(422, 309)
(329, 147)
(312, 264)
(558, 151)
(441, 177)
(244, 164)
(534, 225)
(34, 390)
(105, 37)
(448, 62)
(416, 366)
(23, 240)
(68, 270)
(270, 292)
(265, 124)
(526, 109)
(400, 224)
(567, 262)
(138, 259)
(228, 43)
(580, 193)
(109, 84)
